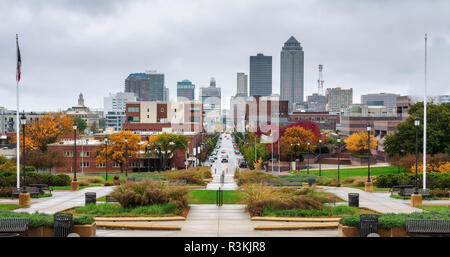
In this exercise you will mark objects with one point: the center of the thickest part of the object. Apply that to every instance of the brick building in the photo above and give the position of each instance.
(325, 120)
(86, 154)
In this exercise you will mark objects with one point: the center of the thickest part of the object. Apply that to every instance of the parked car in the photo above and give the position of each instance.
(224, 160)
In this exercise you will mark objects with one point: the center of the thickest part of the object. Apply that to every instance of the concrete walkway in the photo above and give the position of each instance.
(375, 201)
(229, 220)
(63, 200)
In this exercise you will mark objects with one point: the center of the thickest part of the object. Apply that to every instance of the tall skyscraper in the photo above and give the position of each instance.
(185, 90)
(261, 75)
(339, 98)
(147, 86)
(242, 84)
(291, 72)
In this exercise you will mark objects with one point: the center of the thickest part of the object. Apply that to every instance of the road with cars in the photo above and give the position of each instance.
(223, 167)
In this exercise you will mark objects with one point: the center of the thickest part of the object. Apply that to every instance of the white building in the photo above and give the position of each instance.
(114, 107)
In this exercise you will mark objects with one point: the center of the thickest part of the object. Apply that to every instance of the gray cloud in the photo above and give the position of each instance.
(91, 46)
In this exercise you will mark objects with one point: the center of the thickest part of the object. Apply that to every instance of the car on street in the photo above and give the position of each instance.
(223, 151)
(224, 160)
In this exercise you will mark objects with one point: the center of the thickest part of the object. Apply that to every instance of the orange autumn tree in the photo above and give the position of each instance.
(357, 142)
(295, 136)
(118, 149)
(46, 130)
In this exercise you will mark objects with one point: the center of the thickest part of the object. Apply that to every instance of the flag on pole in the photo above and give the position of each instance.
(19, 61)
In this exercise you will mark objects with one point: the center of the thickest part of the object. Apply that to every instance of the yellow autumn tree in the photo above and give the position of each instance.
(357, 142)
(118, 149)
(46, 130)
(165, 145)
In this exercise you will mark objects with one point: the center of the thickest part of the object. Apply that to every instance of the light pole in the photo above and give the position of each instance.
(126, 156)
(106, 158)
(339, 157)
(416, 198)
(255, 151)
(320, 153)
(23, 120)
(307, 165)
(368, 184)
(75, 151)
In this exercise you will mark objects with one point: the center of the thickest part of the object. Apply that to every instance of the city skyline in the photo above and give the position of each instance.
(85, 48)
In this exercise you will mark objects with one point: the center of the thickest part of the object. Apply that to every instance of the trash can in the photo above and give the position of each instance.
(368, 224)
(62, 224)
(311, 181)
(353, 199)
(90, 197)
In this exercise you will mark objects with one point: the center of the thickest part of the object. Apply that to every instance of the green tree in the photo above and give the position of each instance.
(81, 124)
(438, 131)
(166, 144)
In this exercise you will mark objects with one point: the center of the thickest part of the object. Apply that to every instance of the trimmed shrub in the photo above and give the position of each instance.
(434, 180)
(392, 220)
(8, 179)
(83, 220)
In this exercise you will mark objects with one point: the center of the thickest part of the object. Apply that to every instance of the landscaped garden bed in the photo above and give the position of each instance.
(389, 224)
(290, 202)
(41, 225)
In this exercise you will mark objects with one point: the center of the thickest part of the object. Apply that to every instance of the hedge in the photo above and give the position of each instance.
(44, 220)
(434, 180)
(8, 179)
(393, 220)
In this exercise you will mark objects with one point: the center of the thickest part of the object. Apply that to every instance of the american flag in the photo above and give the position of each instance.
(19, 61)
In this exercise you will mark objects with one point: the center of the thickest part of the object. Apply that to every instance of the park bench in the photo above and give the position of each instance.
(42, 187)
(177, 182)
(425, 227)
(409, 191)
(399, 188)
(32, 190)
(10, 227)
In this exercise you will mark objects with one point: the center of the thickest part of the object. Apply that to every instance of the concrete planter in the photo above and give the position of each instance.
(85, 230)
(347, 231)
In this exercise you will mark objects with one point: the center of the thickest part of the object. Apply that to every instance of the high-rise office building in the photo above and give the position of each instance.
(242, 84)
(211, 99)
(114, 107)
(261, 75)
(291, 72)
(339, 98)
(147, 86)
(185, 90)
(382, 99)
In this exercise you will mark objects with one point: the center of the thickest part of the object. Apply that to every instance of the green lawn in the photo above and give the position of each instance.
(435, 207)
(115, 210)
(209, 197)
(353, 172)
(136, 175)
(9, 207)
(69, 187)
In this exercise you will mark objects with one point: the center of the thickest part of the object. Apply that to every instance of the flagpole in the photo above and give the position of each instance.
(424, 168)
(17, 125)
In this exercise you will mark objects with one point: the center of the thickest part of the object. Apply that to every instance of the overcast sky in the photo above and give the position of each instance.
(68, 47)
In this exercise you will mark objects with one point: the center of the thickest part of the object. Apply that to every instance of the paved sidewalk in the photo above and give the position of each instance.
(62, 200)
(375, 201)
(229, 220)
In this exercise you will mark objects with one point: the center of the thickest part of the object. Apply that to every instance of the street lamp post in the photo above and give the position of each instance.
(368, 184)
(126, 156)
(307, 165)
(23, 120)
(416, 198)
(75, 185)
(320, 153)
(106, 158)
(339, 158)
